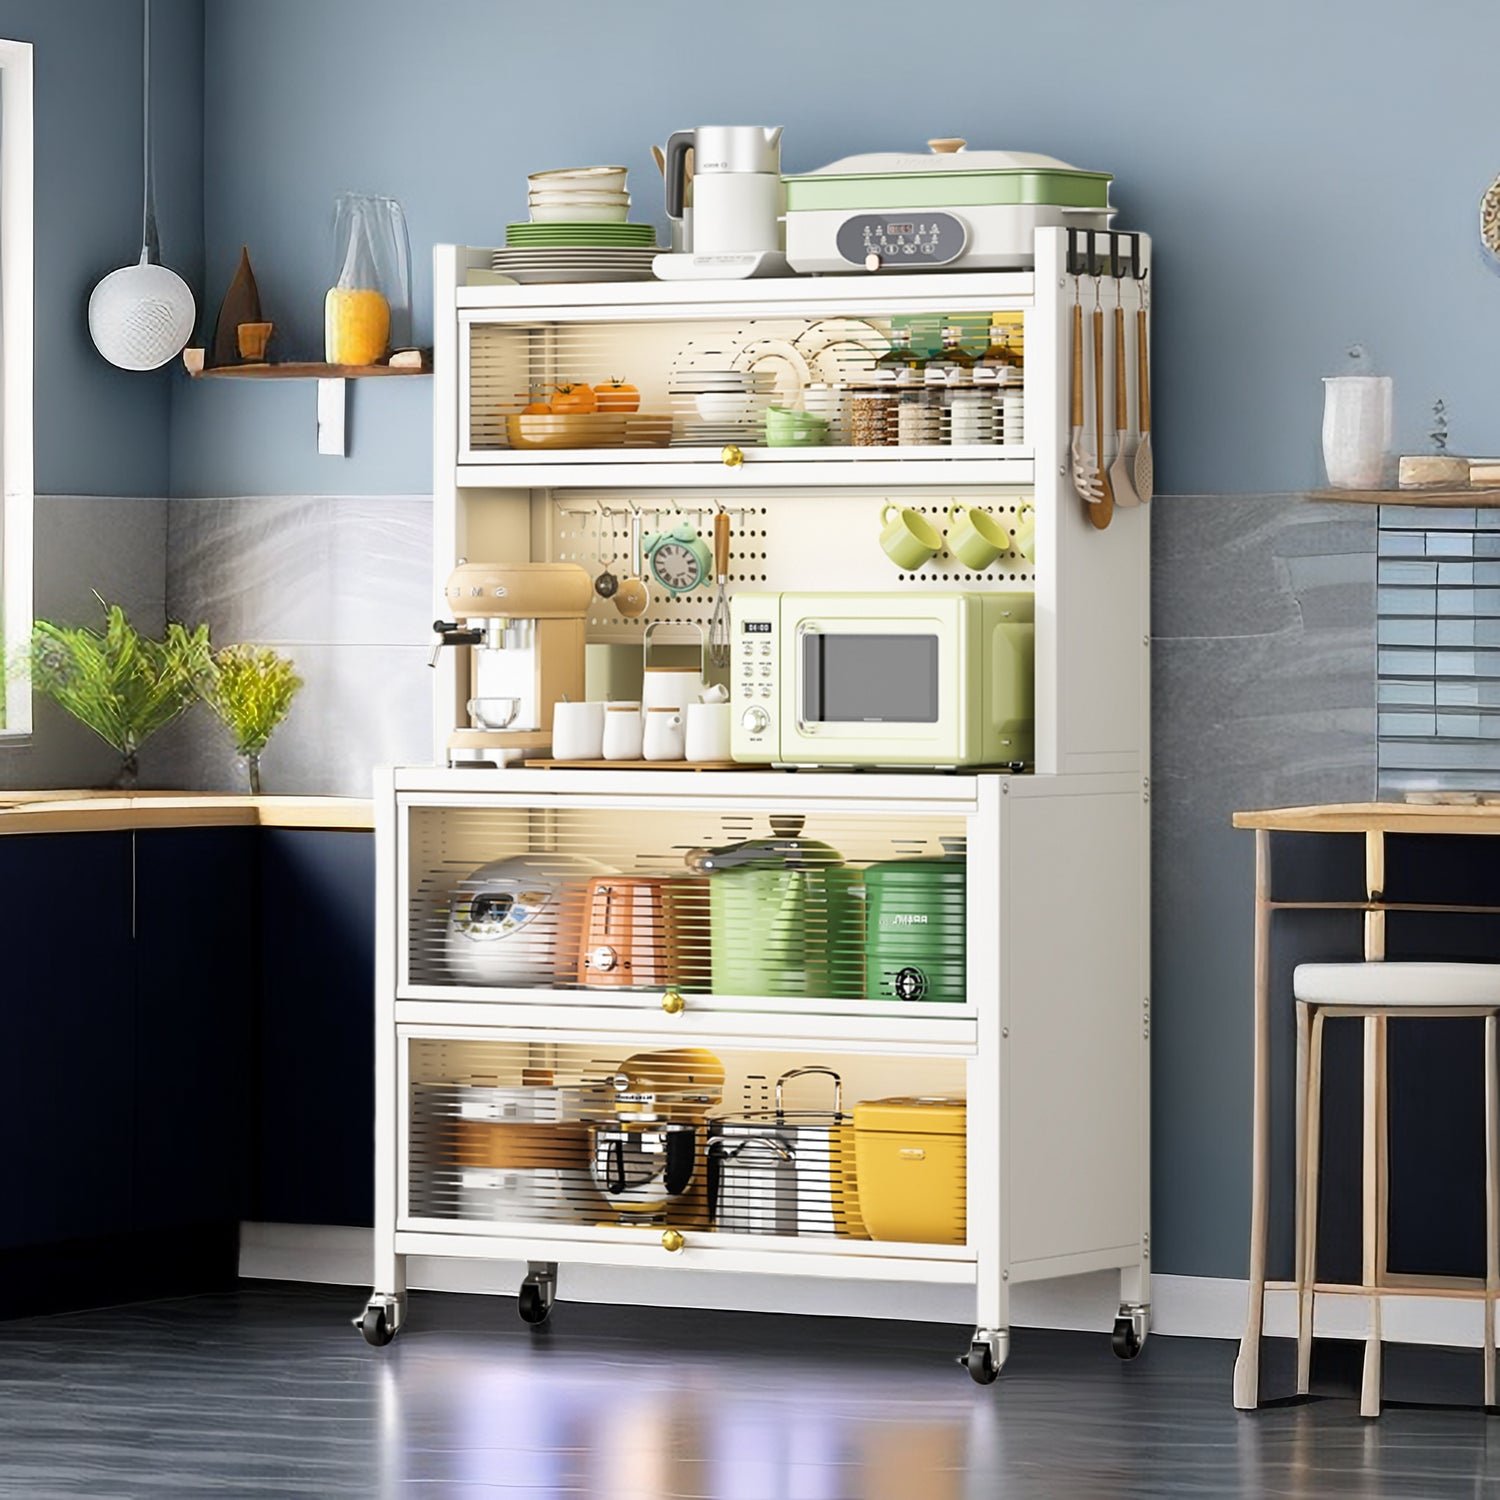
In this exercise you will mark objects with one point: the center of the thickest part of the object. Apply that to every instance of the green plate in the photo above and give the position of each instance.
(580, 234)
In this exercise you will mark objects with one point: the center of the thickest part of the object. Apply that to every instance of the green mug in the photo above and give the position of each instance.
(1026, 533)
(908, 540)
(975, 537)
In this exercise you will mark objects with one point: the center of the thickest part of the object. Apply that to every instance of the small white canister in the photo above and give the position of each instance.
(1357, 412)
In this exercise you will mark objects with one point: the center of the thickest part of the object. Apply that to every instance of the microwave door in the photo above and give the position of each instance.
(872, 693)
(862, 678)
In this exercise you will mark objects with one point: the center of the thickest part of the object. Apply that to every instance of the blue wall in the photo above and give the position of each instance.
(99, 430)
(1311, 173)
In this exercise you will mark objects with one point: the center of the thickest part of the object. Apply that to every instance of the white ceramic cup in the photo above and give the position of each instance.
(578, 731)
(622, 731)
(706, 735)
(664, 737)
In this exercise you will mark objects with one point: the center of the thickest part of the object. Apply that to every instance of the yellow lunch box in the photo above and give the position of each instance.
(910, 1161)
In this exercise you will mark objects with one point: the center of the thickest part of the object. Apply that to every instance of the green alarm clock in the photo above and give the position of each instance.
(679, 559)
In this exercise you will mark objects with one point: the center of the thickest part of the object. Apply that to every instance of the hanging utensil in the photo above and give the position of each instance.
(718, 629)
(1144, 475)
(1102, 511)
(1084, 481)
(633, 598)
(1120, 471)
(141, 316)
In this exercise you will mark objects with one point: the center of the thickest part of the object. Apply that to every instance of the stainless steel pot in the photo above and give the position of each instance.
(642, 1165)
(785, 1172)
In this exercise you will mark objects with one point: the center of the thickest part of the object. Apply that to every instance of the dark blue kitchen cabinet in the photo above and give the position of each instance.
(195, 997)
(67, 1115)
(314, 1152)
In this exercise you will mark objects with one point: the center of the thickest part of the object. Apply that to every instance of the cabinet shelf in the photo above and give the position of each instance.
(303, 370)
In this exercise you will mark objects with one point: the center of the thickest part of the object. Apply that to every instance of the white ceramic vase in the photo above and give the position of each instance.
(1357, 412)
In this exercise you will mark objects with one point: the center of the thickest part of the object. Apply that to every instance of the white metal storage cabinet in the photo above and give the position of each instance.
(1048, 1046)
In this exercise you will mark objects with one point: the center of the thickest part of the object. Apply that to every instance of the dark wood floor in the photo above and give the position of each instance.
(270, 1392)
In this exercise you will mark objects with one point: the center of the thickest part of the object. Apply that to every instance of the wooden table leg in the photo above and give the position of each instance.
(1309, 1172)
(1247, 1365)
(1491, 1203)
(1373, 1200)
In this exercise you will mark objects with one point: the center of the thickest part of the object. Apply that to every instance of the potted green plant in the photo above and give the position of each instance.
(119, 683)
(251, 689)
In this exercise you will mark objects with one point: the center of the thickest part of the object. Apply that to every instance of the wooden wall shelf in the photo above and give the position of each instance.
(303, 370)
(1436, 495)
(332, 390)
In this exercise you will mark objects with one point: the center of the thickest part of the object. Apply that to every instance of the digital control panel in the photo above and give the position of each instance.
(902, 242)
(752, 669)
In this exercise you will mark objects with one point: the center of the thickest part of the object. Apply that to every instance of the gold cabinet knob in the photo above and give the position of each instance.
(673, 1003)
(672, 1241)
(732, 455)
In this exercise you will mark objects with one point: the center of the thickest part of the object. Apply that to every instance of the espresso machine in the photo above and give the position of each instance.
(523, 627)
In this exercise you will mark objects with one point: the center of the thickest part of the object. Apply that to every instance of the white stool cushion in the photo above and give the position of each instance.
(1403, 984)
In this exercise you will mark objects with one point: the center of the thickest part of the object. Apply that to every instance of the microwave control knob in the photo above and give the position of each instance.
(756, 719)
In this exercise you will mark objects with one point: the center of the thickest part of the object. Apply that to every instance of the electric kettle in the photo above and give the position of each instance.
(736, 202)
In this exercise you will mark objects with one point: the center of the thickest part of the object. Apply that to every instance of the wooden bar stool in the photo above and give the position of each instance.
(1379, 992)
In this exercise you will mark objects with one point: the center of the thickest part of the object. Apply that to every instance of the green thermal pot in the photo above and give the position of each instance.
(915, 927)
(786, 916)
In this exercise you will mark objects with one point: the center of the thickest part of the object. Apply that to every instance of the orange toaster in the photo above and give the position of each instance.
(644, 932)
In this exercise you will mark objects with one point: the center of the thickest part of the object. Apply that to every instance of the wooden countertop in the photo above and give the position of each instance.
(1376, 817)
(94, 811)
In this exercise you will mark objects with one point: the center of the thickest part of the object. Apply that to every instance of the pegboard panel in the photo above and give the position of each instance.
(779, 539)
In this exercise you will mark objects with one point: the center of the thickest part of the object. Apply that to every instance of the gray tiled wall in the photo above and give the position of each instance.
(1263, 695)
(343, 587)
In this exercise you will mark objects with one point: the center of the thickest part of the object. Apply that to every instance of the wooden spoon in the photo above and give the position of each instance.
(1101, 513)
(1144, 476)
(1119, 470)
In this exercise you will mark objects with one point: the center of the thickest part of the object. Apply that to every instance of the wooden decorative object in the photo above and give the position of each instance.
(241, 304)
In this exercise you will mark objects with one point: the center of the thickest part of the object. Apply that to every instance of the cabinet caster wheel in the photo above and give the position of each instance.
(534, 1305)
(1127, 1339)
(376, 1327)
(980, 1363)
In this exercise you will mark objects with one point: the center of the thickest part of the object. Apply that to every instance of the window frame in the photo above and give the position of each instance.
(17, 474)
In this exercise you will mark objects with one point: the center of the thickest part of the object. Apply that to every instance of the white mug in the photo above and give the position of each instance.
(707, 732)
(664, 734)
(622, 731)
(578, 731)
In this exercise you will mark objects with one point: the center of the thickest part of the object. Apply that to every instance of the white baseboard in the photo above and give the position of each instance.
(1183, 1306)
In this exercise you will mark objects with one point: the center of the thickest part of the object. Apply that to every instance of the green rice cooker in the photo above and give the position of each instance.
(954, 210)
(786, 916)
(915, 925)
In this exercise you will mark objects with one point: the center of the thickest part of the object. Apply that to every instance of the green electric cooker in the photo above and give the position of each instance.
(953, 210)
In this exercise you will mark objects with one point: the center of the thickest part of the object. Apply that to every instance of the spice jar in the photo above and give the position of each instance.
(919, 416)
(871, 414)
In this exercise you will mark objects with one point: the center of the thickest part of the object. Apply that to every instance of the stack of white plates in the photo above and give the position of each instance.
(541, 264)
(590, 195)
(711, 407)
